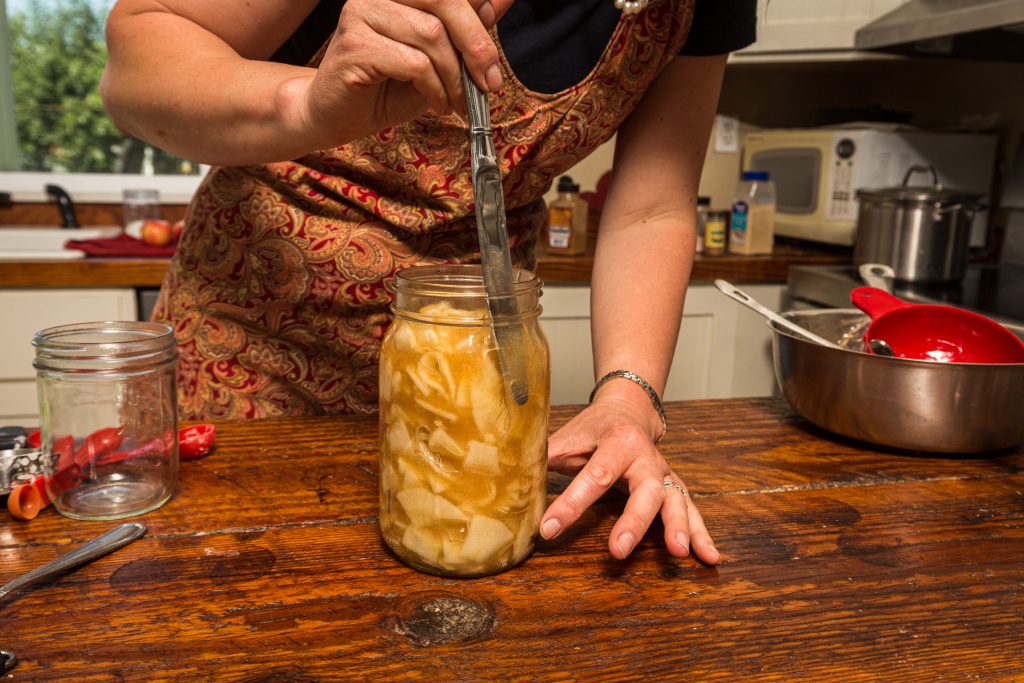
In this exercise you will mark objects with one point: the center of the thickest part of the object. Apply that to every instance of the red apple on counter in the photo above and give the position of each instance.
(156, 232)
(178, 228)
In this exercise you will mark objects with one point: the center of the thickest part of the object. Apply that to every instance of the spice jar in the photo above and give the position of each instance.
(107, 399)
(716, 226)
(463, 466)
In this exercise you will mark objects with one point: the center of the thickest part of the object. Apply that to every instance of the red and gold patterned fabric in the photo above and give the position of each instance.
(279, 292)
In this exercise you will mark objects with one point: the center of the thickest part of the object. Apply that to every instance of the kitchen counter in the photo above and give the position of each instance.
(840, 563)
(95, 272)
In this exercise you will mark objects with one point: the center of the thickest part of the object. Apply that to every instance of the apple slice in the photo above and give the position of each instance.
(485, 539)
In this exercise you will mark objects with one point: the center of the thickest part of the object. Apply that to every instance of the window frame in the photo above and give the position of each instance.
(99, 188)
(96, 188)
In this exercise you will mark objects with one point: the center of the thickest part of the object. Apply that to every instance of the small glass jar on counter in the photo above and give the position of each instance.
(463, 466)
(139, 205)
(108, 407)
(716, 232)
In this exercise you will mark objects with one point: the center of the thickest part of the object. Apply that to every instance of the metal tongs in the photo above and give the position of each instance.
(495, 258)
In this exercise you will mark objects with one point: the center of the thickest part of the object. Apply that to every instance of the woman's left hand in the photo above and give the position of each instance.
(610, 441)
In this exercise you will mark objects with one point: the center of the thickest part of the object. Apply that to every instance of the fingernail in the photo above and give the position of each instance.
(625, 543)
(684, 542)
(550, 528)
(486, 14)
(714, 553)
(493, 78)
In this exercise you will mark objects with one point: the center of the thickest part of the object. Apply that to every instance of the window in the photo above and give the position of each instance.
(52, 124)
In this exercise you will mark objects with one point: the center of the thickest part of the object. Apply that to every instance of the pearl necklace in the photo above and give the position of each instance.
(631, 6)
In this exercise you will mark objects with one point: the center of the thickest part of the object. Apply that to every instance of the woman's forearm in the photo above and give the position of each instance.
(647, 235)
(192, 94)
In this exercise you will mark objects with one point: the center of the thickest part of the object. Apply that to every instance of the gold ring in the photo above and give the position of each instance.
(671, 484)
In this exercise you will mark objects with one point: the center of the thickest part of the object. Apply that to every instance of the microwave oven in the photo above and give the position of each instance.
(818, 171)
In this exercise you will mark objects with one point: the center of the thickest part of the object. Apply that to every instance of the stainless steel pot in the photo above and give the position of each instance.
(922, 232)
(894, 402)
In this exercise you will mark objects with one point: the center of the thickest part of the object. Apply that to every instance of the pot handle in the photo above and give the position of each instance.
(876, 302)
(969, 209)
(923, 169)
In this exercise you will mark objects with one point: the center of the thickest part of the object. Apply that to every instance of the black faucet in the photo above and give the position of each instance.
(5, 200)
(67, 207)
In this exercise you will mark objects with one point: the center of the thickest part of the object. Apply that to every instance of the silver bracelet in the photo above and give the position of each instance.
(645, 385)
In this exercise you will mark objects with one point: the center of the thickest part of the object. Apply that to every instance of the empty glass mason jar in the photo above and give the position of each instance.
(139, 204)
(463, 466)
(108, 408)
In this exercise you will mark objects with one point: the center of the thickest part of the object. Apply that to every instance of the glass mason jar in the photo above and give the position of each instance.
(463, 466)
(108, 407)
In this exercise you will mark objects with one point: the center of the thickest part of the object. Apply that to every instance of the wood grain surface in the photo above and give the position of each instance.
(841, 562)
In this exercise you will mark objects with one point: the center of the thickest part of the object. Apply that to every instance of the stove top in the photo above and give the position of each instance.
(994, 291)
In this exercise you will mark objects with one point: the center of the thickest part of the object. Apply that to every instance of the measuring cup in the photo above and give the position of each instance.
(934, 332)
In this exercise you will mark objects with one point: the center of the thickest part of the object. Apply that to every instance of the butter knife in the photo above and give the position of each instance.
(495, 258)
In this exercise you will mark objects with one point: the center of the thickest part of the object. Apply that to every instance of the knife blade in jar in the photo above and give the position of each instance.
(495, 257)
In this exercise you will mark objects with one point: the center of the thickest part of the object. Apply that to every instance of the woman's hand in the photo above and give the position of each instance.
(391, 59)
(611, 440)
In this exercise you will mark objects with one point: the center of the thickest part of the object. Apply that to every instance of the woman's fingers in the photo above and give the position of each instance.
(684, 525)
(446, 32)
(593, 480)
(700, 539)
(468, 33)
(646, 498)
(675, 516)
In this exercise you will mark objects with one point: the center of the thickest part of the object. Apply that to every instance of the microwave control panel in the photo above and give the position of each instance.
(842, 199)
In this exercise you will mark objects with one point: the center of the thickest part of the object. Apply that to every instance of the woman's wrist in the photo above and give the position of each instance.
(297, 119)
(630, 387)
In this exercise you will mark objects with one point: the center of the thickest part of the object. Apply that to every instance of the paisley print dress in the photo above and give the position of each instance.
(279, 292)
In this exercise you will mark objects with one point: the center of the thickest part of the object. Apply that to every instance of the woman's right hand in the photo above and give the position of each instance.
(389, 60)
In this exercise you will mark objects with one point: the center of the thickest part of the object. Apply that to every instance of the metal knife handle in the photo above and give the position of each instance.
(478, 107)
(495, 256)
(118, 537)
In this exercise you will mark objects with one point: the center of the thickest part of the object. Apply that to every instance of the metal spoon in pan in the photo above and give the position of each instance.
(737, 294)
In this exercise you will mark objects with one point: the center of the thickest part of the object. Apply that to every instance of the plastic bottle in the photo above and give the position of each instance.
(703, 204)
(752, 228)
(567, 220)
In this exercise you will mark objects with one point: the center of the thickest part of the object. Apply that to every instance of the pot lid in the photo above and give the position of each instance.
(931, 194)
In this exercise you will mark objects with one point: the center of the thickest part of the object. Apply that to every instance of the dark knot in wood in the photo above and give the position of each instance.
(445, 619)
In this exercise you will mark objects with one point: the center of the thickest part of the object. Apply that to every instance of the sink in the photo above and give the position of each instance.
(25, 242)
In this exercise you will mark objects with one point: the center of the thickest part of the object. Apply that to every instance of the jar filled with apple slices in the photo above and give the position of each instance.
(463, 465)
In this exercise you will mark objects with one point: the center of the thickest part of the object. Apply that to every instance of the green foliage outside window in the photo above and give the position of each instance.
(57, 58)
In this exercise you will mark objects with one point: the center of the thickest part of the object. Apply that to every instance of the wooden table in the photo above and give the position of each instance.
(841, 563)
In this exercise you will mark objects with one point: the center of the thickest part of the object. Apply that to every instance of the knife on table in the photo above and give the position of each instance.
(495, 258)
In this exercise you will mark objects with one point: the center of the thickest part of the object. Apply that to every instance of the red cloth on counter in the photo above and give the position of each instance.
(123, 245)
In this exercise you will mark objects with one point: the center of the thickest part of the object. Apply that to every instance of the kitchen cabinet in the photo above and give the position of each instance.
(808, 29)
(25, 312)
(723, 351)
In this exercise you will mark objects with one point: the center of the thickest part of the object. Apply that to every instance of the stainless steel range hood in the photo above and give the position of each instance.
(971, 29)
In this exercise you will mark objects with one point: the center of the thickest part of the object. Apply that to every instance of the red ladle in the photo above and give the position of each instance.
(934, 332)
